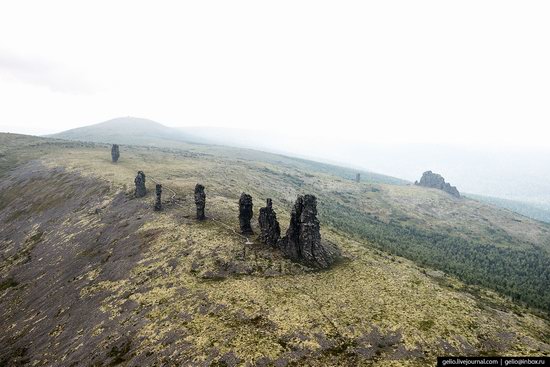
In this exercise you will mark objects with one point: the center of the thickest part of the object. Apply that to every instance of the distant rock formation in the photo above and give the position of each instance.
(140, 185)
(302, 242)
(358, 177)
(158, 201)
(115, 153)
(245, 213)
(269, 226)
(200, 201)
(436, 181)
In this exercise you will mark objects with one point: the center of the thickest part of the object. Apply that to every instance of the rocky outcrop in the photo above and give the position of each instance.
(200, 201)
(269, 226)
(158, 201)
(357, 177)
(436, 181)
(302, 242)
(140, 191)
(245, 213)
(115, 153)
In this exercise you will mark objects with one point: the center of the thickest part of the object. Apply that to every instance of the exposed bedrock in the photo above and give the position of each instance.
(436, 181)
(245, 213)
(302, 242)
(200, 201)
(140, 185)
(115, 153)
(158, 200)
(269, 226)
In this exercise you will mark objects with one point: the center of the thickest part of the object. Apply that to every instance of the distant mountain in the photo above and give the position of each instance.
(126, 130)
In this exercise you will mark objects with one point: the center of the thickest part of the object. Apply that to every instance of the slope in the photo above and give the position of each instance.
(162, 288)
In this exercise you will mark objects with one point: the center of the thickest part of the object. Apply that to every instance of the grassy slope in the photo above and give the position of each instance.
(169, 302)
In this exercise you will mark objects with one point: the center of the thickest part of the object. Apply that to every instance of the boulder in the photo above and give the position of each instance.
(436, 181)
(269, 226)
(245, 213)
(200, 201)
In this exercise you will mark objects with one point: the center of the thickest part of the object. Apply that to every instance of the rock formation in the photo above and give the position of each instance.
(140, 185)
(269, 226)
(436, 181)
(302, 242)
(358, 177)
(158, 201)
(245, 213)
(200, 201)
(115, 153)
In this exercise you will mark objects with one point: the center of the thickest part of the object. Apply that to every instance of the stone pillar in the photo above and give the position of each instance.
(358, 177)
(245, 213)
(140, 185)
(302, 242)
(115, 153)
(200, 201)
(269, 226)
(158, 202)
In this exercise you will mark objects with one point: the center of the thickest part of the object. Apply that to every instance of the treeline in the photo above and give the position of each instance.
(523, 273)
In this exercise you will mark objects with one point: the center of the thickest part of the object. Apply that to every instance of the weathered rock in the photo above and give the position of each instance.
(140, 185)
(302, 242)
(269, 226)
(436, 181)
(115, 153)
(358, 177)
(158, 201)
(200, 201)
(245, 213)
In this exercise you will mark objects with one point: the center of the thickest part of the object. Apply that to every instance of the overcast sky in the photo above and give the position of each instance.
(386, 71)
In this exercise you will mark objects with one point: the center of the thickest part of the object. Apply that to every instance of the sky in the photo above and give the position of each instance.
(468, 72)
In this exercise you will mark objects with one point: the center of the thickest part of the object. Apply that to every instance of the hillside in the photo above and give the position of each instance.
(126, 130)
(162, 288)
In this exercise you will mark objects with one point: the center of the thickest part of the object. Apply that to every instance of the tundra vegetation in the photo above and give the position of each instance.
(91, 273)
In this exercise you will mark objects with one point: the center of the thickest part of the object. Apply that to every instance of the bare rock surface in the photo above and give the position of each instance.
(302, 242)
(269, 226)
(245, 213)
(139, 181)
(200, 201)
(436, 181)
(158, 200)
(115, 153)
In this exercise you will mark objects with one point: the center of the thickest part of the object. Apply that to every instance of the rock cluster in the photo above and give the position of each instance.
(302, 242)
(269, 226)
(245, 213)
(436, 181)
(140, 185)
(115, 153)
(200, 201)
(158, 201)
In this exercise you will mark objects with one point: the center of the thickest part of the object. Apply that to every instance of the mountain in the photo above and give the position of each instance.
(90, 273)
(126, 130)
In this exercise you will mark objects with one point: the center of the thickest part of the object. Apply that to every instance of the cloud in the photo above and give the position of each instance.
(40, 72)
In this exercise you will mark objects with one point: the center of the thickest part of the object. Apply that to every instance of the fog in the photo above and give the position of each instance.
(397, 87)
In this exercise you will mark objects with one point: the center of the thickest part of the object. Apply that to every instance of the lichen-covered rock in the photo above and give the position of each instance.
(140, 191)
(436, 181)
(245, 213)
(115, 153)
(269, 226)
(302, 242)
(158, 201)
(200, 201)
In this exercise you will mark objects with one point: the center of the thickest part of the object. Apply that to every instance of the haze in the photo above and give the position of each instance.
(348, 76)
